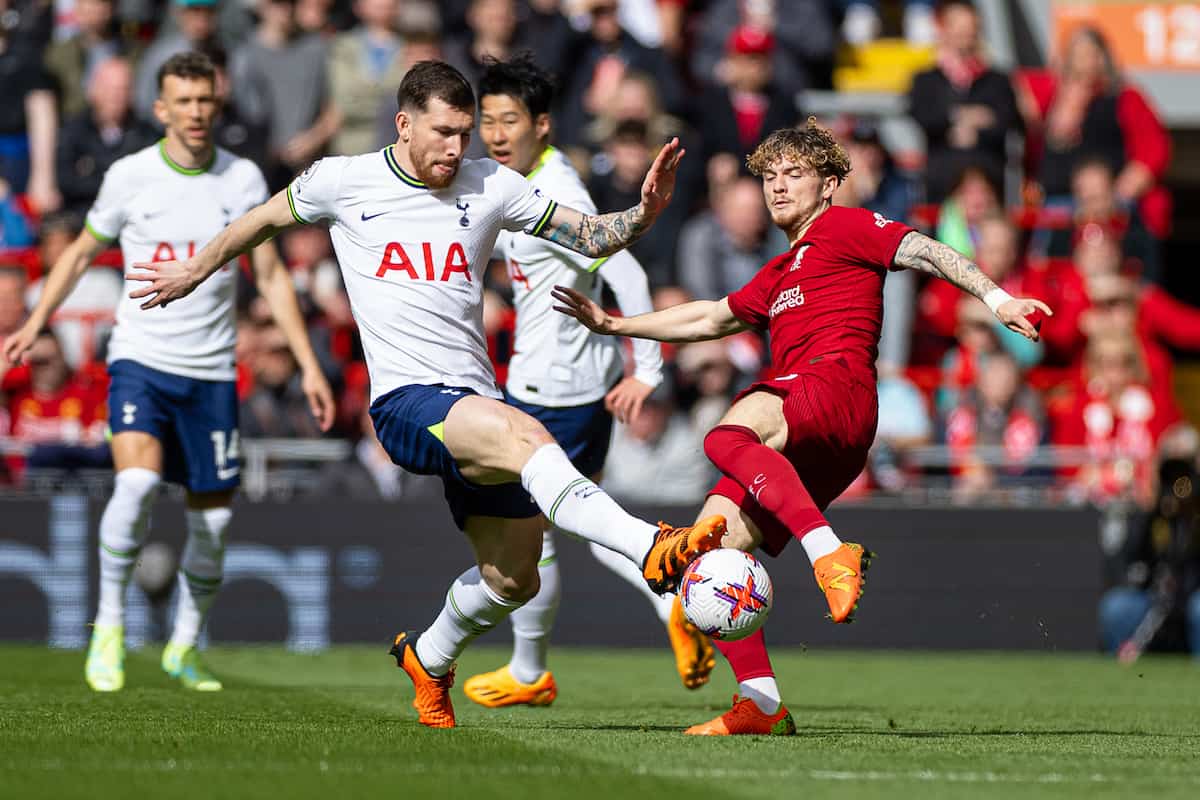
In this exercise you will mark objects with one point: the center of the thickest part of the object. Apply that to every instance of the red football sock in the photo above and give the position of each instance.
(748, 657)
(769, 477)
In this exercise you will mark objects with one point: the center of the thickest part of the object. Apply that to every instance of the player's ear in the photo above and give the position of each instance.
(831, 185)
(403, 126)
(160, 111)
(541, 126)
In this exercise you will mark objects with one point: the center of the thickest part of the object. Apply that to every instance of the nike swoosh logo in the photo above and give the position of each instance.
(226, 474)
(372, 216)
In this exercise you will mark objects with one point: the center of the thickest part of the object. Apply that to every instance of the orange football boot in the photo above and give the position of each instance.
(694, 657)
(675, 548)
(745, 719)
(841, 576)
(500, 688)
(432, 700)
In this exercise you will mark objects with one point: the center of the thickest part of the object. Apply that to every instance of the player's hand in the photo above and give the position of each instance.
(168, 280)
(625, 399)
(18, 343)
(660, 180)
(584, 309)
(320, 397)
(1015, 315)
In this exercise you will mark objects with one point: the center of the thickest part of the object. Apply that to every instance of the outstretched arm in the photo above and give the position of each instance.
(687, 322)
(918, 251)
(171, 280)
(599, 235)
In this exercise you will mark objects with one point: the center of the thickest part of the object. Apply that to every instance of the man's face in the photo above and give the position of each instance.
(510, 133)
(377, 12)
(959, 29)
(437, 137)
(12, 300)
(187, 108)
(94, 16)
(794, 191)
(998, 382)
(740, 212)
(48, 369)
(111, 91)
(748, 72)
(197, 23)
(493, 20)
(997, 250)
(1095, 199)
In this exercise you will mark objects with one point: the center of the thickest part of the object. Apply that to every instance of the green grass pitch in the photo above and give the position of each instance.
(338, 726)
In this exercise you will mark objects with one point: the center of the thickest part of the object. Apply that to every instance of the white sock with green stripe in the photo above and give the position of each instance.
(471, 608)
(122, 533)
(661, 603)
(533, 621)
(578, 506)
(200, 571)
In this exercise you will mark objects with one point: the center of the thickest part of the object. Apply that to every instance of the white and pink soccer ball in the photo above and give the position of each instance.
(726, 593)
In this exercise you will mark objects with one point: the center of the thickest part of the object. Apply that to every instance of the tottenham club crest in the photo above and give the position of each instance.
(464, 220)
(799, 257)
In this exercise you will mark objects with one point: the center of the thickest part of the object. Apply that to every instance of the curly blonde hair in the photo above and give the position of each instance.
(811, 145)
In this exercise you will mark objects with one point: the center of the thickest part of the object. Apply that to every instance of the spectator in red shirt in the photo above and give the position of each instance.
(1119, 415)
(1085, 109)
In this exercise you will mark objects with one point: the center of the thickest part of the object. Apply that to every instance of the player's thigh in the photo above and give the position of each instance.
(136, 449)
(209, 458)
(761, 412)
(740, 531)
(507, 552)
(491, 441)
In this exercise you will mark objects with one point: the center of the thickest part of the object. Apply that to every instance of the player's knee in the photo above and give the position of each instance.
(528, 434)
(517, 585)
(721, 439)
(137, 486)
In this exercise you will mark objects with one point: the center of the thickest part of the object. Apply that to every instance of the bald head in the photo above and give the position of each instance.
(742, 212)
(110, 91)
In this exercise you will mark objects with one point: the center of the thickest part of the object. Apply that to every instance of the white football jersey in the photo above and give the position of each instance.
(161, 211)
(556, 361)
(413, 259)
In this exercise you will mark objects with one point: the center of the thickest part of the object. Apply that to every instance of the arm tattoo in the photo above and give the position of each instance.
(918, 251)
(596, 235)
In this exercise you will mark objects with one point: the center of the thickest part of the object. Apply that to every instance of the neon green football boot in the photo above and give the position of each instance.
(182, 661)
(105, 666)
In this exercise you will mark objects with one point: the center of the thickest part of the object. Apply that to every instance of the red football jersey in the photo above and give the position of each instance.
(825, 295)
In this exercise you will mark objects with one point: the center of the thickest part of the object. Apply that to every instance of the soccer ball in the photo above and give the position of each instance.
(726, 593)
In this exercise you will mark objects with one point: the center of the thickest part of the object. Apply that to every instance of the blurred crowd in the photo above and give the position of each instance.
(1081, 227)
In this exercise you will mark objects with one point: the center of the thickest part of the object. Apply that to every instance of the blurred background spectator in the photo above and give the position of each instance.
(365, 67)
(195, 28)
(72, 61)
(720, 250)
(276, 407)
(28, 116)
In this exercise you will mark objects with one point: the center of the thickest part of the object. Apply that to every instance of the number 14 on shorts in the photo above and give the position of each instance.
(227, 450)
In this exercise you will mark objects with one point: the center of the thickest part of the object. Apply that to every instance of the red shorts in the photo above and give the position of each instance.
(831, 413)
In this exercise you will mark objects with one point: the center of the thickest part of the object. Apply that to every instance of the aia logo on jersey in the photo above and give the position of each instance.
(881, 221)
(395, 259)
(796, 262)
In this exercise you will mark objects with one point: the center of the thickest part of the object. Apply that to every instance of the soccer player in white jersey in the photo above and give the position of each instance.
(172, 400)
(566, 377)
(413, 227)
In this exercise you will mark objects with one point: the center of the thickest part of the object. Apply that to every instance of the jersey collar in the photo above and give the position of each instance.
(390, 157)
(549, 151)
(162, 151)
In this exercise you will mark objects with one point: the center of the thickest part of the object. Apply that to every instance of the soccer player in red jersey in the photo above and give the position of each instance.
(790, 445)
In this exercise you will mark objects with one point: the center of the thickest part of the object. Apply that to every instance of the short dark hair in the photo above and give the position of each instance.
(189, 65)
(430, 79)
(521, 79)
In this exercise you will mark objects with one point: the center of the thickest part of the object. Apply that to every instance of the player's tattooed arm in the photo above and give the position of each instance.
(918, 251)
(599, 235)
(596, 235)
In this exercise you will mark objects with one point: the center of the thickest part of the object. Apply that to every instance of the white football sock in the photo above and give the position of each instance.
(122, 533)
(533, 621)
(201, 570)
(820, 542)
(763, 691)
(632, 575)
(471, 608)
(578, 506)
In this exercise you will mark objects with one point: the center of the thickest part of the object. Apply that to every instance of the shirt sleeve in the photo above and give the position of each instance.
(871, 238)
(751, 303)
(108, 213)
(256, 192)
(524, 207)
(630, 286)
(313, 194)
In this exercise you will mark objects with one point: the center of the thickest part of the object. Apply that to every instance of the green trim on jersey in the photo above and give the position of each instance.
(390, 157)
(545, 220)
(100, 237)
(292, 205)
(162, 151)
(597, 264)
(549, 151)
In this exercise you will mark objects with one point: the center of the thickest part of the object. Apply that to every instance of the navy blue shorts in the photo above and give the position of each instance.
(584, 432)
(408, 422)
(195, 420)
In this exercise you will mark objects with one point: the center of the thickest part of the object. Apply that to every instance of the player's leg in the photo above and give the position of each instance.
(747, 447)
(209, 463)
(759, 708)
(137, 420)
(495, 443)
(505, 577)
